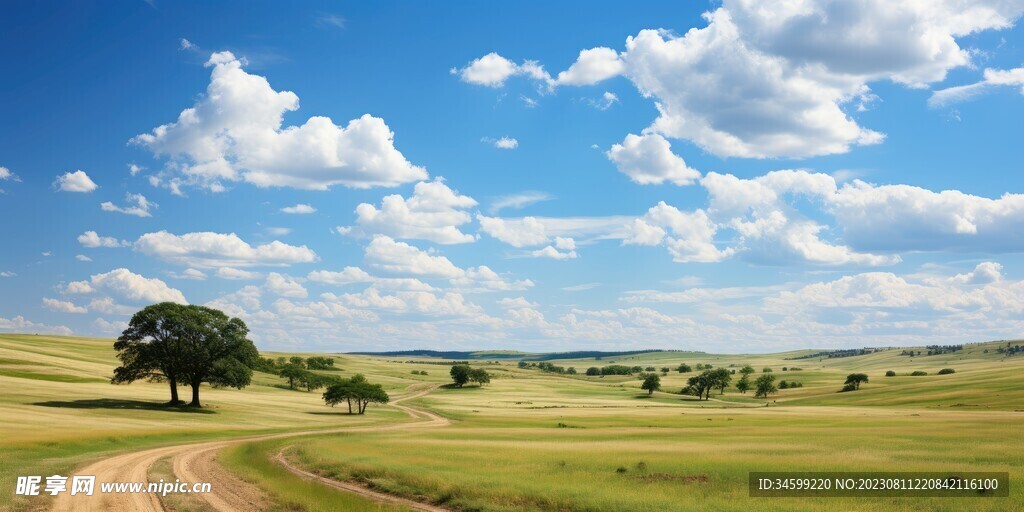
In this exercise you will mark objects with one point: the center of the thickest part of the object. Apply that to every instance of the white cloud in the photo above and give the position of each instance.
(581, 287)
(518, 302)
(109, 327)
(553, 253)
(523, 232)
(502, 143)
(7, 273)
(77, 181)
(211, 250)
(138, 206)
(133, 170)
(299, 209)
(275, 231)
(356, 275)
(386, 254)
(20, 324)
(762, 82)
(91, 240)
(285, 286)
(82, 257)
(518, 200)
(591, 67)
(6, 174)
(235, 274)
(649, 160)
(482, 278)
(992, 78)
(604, 103)
(492, 70)
(434, 212)
(63, 306)
(689, 236)
(235, 132)
(190, 274)
(125, 284)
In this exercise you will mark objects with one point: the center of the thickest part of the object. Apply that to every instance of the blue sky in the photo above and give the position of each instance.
(729, 176)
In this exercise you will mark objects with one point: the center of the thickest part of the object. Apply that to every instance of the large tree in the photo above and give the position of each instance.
(186, 345)
(651, 383)
(150, 348)
(764, 386)
(357, 390)
(460, 374)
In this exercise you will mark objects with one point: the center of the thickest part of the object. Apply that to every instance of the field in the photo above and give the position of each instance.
(532, 440)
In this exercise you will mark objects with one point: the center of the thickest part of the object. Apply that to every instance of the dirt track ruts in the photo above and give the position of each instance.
(195, 462)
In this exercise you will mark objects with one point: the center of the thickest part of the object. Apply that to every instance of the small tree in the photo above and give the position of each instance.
(593, 371)
(766, 370)
(356, 390)
(480, 376)
(651, 384)
(684, 368)
(665, 370)
(460, 374)
(296, 360)
(720, 379)
(764, 386)
(293, 373)
(743, 385)
(946, 371)
(571, 371)
(890, 373)
(854, 380)
(523, 364)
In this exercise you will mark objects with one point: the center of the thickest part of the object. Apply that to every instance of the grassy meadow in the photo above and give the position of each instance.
(532, 440)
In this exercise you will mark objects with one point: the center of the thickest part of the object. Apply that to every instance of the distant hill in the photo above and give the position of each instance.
(504, 354)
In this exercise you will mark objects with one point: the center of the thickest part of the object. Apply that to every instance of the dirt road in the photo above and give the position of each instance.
(196, 463)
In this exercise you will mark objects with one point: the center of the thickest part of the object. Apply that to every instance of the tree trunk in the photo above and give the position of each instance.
(174, 392)
(349, 400)
(195, 395)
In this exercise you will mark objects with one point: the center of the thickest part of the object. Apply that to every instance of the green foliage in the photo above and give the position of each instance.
(570, 371)
(293, 373)
(296, 360)
(890, 373)
(320, 363)
(651, 383)
(480, 376)
(684, 368)
(460, 374)
(764, 386)
(593, 371)
(618, 369)
(946, 371)
(355, 390)
(743, 385)
(918, 373)
(766, 370)
(189, 345)
(854, 380)
(747, 370)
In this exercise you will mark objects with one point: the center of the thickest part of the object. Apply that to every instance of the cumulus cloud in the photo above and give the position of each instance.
(492, 70)
(482, 278)
(434, 212)
(212, 250)
(649, 160)
(63, 306)
(761, 82)
(190, 274)
(592, 66)
(356, 275)
(299, 209)
(386, 254)
(235, 133)
(91, 239)
(20, 324)
(82, 257)
(235, 274)
(285, 286)
(127, 285)
(137, 205)
(689, 236)
(7, 175)
(77, 181)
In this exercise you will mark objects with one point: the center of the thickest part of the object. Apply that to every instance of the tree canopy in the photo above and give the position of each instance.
(651, 383)
(185, 344)
(355, 390)
(764, 386)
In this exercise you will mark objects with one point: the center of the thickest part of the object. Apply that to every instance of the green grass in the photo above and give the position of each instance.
(505, 449)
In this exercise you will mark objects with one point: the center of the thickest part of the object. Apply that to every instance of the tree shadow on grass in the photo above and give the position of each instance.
(126, 405)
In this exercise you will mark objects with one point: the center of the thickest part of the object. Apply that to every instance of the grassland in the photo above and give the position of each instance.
(537, 441)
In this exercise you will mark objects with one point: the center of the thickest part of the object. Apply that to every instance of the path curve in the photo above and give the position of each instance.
(195, 462)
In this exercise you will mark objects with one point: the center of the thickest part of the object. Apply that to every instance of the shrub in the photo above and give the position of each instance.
(766, 370)
(918, 373)
(946, 371)
(890, 373)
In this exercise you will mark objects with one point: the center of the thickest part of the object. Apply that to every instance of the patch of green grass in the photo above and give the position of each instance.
(252, 462)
